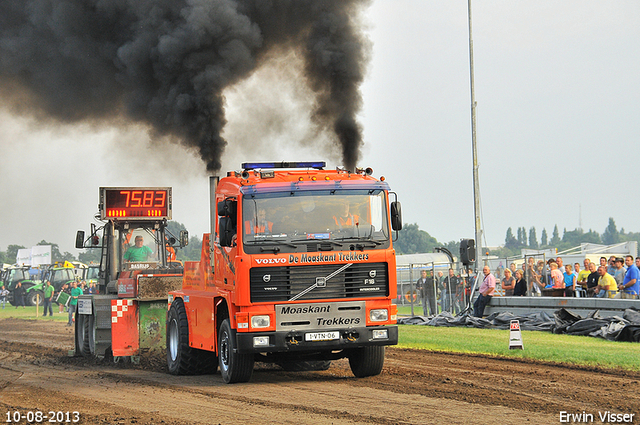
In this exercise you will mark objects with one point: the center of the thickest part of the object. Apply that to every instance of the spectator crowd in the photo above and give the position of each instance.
(613, 278)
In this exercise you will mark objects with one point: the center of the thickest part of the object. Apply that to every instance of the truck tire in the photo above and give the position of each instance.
(85, 335)
(234, 367)
(182, 359)
(82, 340)
(367, 361)
(32, 298)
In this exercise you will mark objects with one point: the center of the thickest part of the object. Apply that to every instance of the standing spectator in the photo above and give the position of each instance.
(611, 269)
(520, 289)
(607, 286)
(508, 283)
(487, 287)
(73, 302)
(592, 279)
(584, 274)
(638, 262)
(533, 276)
(48, 298)
(18, 295)
(556, 277)
(569, 279)
(512, 267)
(427, 295)
(631, 285)
(451, 283)
(560, 264)
(603, 262)
(3, 295)
(620, 271)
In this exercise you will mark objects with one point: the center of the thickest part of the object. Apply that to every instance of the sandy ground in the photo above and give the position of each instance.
(415, 387)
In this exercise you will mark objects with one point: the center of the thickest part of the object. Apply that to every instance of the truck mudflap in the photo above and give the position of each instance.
(315, 340)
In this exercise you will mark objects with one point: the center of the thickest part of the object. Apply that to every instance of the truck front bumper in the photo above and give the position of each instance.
(296, 341)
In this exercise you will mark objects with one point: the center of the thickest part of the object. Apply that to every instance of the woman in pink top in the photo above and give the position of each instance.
(556, 276)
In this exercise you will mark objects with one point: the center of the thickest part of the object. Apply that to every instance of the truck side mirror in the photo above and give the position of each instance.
(227, 231)
(184, 238)
(228, 208)
(80, 239)
(396, 216)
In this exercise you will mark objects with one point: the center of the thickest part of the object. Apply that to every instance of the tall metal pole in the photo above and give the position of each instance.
(476, 185)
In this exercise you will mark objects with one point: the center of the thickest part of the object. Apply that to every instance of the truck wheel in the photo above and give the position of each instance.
(182, 359)
(32, 298)
(85, 335)
(367, 361)
(234, 367)
(82, 343)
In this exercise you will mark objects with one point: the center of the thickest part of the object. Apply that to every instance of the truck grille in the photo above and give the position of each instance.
(359, 280)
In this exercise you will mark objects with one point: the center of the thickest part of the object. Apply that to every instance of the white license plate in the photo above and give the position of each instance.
(321, 336)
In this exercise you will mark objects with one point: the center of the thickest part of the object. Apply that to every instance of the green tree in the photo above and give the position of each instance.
(524, 237)
(611, 235)
(12, 253)
(412, 240)
(533, 239)
(191, 252)
(89, 256)
(510, 242)
(543, 238)
(555, 237)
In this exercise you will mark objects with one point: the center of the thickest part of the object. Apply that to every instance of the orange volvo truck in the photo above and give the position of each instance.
(299, 270)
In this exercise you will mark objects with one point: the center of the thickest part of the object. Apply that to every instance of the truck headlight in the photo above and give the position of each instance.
(381, 315)
(260, 321)
(380, 334)
(260, 341)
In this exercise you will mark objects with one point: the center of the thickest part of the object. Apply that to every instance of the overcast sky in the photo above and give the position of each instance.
(558, 123)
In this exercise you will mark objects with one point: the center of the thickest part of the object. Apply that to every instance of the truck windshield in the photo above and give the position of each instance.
(337, 215)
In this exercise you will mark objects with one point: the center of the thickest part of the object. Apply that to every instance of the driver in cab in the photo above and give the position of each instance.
(138, 252)
(259, 225)
(345, 219)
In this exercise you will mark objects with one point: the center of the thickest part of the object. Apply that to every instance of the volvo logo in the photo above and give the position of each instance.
(372, 274)
(266, 278)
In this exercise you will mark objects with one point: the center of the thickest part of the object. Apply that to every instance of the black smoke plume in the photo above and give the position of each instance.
(166, 63)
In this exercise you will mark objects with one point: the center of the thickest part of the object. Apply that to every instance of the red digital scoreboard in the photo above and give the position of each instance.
(135, 203)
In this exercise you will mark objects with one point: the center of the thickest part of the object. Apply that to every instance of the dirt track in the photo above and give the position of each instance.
(415, 387)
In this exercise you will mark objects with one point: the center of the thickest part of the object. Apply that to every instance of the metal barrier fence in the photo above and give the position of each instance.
(435, 296)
